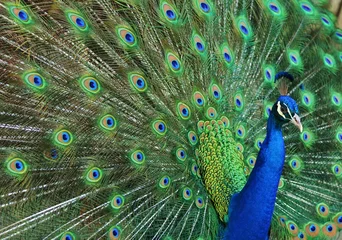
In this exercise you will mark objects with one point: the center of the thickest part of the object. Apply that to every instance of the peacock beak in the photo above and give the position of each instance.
(296, 121)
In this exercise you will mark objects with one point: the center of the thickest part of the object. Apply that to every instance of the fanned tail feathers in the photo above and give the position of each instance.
(140, 119)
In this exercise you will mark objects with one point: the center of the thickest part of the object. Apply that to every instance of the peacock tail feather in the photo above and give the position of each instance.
(140, 119)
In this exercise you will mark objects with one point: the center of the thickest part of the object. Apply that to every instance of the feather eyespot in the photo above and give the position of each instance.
(239, 147)
(329, 229)
(181, 154)
(187, 193)
(117, 202)
(336, 99)
(241, 131)
(51, 154)
(138, 82)
(20, 14)
(251, 160)
(281, 183)
(338, 219)
(169, 13)
(35, 81)
(198, 99)
(68, 236)
(337, 170)
(200, 126)
(114, 233)
(159, 127)
(215, 92)
(198, 43)
(194, 169)
(126, 36)
(164, 182)
(258, 143)
(312, 229)
(225, 121)
(307, 7)
(322, 210)
(94, 175)
(77, 21)
(294, 58)
(16, 166)
(90, 85)
(238, 101)
(108, 122)
(244, 27)
(227, 55)
(211, 113)
(138, 157)
(329, 60)
(199, 202)
(63, 137)
(192, 138)
(282, 220)
(183, 111)
(296, 164)
(174, 63)
(292, 228)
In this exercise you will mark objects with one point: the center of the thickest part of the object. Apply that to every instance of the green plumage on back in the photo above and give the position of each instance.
(141, 119)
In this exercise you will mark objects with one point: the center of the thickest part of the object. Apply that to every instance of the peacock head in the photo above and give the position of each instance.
(286, 110)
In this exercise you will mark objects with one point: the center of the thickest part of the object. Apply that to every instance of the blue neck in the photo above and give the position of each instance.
(251, 210)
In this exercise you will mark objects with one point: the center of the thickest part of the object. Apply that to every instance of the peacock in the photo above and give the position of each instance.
(170, 119)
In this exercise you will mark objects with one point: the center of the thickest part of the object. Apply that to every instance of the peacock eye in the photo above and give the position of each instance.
(283, 109)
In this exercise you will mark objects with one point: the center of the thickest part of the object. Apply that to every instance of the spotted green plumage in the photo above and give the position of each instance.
(140, 119)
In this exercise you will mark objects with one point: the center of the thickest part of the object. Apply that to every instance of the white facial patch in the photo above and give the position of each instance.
(279, 110)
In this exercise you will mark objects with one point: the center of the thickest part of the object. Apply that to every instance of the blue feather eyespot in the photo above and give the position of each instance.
(183, 111)
(322, 210)
(90, 85)
(159, 127)
(273, 7)
(16, 166)
(312, 229)
(339, 34)
(164, 182)
(339, 135)
(198, 43)
(292, 228)
(126, 36)
(250, 160)
(187, 193)
(301, 235)
(238, 101)
(174, 63)
(181, 154)
(192, 138)
(241, 131)
(282, 220)
(51, 154)
(77, 21)
(227, 55)
(307, 138)
(198, 99)
(338, 219)
(325, 20)
(294, 58)
(63, 137)
(94, 175)
(117, 202)
(200, 126)
(138, 82)
(258, 143)
(211, 113)
(244, 27)
(20, 14)
(329, 61)
(329, 229)
(194, 169)
(296, 164)
(68, 236)
(34, 80)
(306, 7)
(215, 92)
(199, 202)
(138, 157)
(225, 121)
(168, 12)
(239, 147)
(108, 122)
(337, 170)
(336, 99)
(114, 233)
